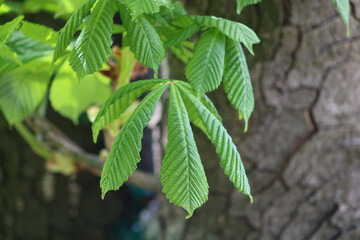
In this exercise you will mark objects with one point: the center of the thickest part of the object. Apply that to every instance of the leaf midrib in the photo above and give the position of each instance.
(186, 141)
(93, 27)
(213, 41)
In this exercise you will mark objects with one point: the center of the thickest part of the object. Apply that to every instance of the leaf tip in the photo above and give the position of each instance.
(246, 126)
(251, 198)
(189, 215)
(103, 192)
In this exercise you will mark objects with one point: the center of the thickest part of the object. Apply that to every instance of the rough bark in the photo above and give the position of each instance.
(303, 145)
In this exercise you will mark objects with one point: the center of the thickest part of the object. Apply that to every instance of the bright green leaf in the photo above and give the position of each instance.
(22, 90)
(93, 47)
(182, 173)
(119, 102)
(124, 154)
(205, 69)
(39, 33)
(28, 49)
(230, 159)
(237, 80)
(7, 29)
(70, 28)
(344, 10)
(243, 3)
(66, 7)
(70, 98)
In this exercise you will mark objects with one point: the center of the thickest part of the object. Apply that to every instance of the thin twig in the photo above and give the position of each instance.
(54, 140)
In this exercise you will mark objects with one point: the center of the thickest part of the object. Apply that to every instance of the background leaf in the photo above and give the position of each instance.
(7, 29)
(124, 154)
(205, 68)
(39, 32)
(71, 98)
(93, 47)
(28, 49)
(22, 89)
(237, 80)
(182, 173)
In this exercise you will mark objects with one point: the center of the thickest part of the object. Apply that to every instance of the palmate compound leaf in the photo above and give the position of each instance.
(124, 154)
(344, 9)
(205, 69)
(7, 29)
(234, 30)
(144, 41)
(93, 47)
(70, 28)
(192, 113)
(182, 174)
(243, 3)
(237, 80)
(230, 159)
(120, 101)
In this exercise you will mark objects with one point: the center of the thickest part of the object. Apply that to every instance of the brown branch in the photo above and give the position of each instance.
(57, 141)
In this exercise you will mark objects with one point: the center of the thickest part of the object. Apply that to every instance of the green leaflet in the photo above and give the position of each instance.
(138, 7)
(144, 42)
(204, 99)
(205, 68)
(243, 3)
(234, 30)
(67, 7)
(182, 173)
(124, 154)
(93, 47)
(181, 35)
(173, 10)
(22, 90)
(344, 9)
(39, 33)
(70, 28)
(1, 2)
(120, 101)
(27, 49)
(71, 98)
(34, 6)
(237, 80)
(230, 159)
(7, 29)
(182, 53)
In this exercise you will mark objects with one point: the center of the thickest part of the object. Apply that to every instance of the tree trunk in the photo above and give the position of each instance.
(302, 149)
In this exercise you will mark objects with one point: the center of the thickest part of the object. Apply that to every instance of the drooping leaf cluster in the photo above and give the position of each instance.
(33, 55)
